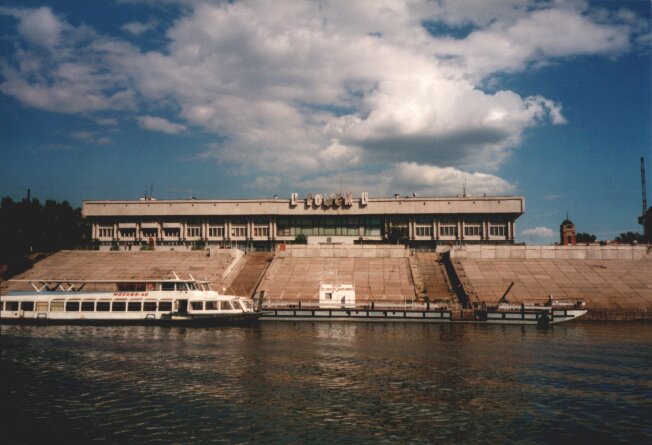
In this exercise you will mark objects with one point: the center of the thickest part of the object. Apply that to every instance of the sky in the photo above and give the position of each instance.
(549, 100)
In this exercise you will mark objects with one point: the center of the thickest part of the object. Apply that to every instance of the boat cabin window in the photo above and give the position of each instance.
(246, 304)
(167, 286)
(226, 305)
(134, 306)
(42, 306)
(11, 306)
(149, 306)
(165, 306)
(27, 305)
(56, 306)
(88, 306)
(212, 306)
(72, 306)
(103, 306)
(119, 306)
(197, 305)
(131, 287)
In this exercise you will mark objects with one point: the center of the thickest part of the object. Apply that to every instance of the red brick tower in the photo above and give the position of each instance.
(567, 232)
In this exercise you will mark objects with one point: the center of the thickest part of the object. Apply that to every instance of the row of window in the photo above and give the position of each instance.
(326, 229)
(191, 232)
(89, 306)
(213, 305)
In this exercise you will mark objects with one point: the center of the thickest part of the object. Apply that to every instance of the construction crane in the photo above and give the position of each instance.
(641, 219)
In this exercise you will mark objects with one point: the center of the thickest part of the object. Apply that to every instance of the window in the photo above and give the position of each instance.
(448, 230)
(171, 233)
(167, 286)
(216, 232)
(119, 306)
(239, 231)
(27, 305)
(134, 306)
(128, 233)
(261, 231)
(150, 233)
(56, 306)
(149, 306)
(424, 231)
(212, 306)
(328, 296)
(196, 305)
(72, 306)
(193, 231)
(165, 306)
(497, 230)
(225, 305)
(11, 306)
(88, 306)
(103, 306)
(473, 231)
(106, 232)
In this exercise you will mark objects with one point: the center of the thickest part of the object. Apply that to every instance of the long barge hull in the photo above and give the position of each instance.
(437, 316)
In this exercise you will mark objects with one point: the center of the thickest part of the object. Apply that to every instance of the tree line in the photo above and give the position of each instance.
(27, 226)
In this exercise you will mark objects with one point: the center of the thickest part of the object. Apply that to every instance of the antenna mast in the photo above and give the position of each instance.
(641, 219)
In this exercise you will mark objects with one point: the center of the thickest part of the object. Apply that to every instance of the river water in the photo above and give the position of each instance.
(304, 382)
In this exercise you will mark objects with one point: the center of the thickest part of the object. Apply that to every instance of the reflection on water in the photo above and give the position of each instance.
(327, 383)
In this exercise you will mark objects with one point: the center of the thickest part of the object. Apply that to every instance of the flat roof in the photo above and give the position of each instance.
(307, 206)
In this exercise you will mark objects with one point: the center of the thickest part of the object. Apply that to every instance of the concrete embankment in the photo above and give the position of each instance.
(614, 281)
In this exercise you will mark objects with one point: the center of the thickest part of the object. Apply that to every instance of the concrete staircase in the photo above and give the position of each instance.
(255, 266)
(434, 280)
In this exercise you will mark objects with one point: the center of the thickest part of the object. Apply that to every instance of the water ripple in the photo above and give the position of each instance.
(327, 383)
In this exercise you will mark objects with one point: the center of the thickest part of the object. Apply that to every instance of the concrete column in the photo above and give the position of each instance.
(435, 229)
(116, 233)
(460, 229)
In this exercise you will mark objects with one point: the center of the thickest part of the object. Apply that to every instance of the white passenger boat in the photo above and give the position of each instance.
(163, 302)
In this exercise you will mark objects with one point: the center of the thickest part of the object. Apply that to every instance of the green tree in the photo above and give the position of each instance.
(585, 238)
(301, 239)
(630, 238)
(28, 226)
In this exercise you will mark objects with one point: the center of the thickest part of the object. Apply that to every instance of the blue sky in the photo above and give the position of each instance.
(549, 99)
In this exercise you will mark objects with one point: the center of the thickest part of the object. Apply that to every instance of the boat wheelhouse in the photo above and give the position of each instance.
(166, 301)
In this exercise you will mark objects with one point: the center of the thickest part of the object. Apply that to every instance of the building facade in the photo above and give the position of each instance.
(320, 218)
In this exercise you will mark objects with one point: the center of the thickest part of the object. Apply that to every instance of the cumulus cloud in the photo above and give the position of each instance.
(90, 137)
(159, 124)
(306, 90)
(138, 28)
(536, 233)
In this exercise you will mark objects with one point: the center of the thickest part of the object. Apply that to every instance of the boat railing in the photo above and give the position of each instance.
(367, 305)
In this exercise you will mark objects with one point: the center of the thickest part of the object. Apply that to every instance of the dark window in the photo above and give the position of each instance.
(165, 306)
(11, 306)
(119, 306)
(27, 305)
(133, 306)
(103, 306)
(149, 306)
(196, 305)
(88, 306)
(167, 286)
(72, 306)
(212, 306)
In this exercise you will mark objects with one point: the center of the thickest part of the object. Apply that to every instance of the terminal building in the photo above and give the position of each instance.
(314, 218)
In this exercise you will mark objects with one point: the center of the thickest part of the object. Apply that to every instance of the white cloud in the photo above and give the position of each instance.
(90, 137)
(138, 28)
(539, 233)
(159, 124)
(307, 90)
